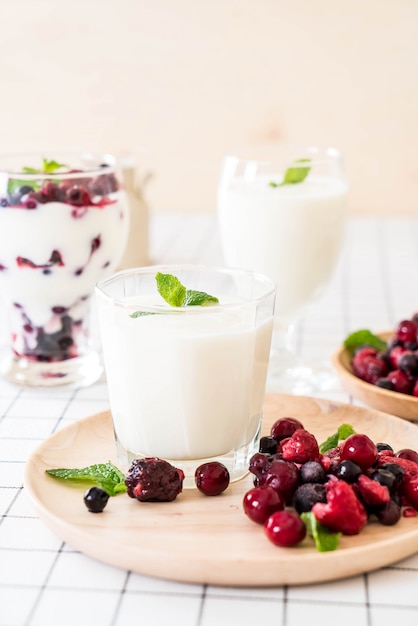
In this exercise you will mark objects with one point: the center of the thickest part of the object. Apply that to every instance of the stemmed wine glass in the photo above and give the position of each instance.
(281, 212)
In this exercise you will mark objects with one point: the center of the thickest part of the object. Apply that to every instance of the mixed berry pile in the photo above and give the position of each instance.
(300, 487)
(395, 365)
(343, 488)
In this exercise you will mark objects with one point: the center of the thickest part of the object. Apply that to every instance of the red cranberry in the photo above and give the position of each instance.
(212, 478)
(360, 360)
(360, 449)
(285, 427)
(375, 368)
(260, 502)
(395, 355)
(283, 476)
(400, 381)
(407, 453)
(406, 331)
(285, 528)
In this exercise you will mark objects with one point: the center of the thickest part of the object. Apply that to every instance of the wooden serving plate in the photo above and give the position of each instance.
(399, 404)
(210, 540)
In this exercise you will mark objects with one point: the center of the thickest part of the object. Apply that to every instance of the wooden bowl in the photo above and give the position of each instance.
(395, 403)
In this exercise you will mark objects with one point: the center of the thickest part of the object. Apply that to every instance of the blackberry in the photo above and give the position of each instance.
(153, 480)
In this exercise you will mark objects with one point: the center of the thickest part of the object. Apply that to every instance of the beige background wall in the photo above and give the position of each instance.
(178, 82)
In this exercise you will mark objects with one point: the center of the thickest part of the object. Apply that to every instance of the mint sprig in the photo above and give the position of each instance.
(324, 539)
(48, 167)
(294, 175)
(176, 294)
(344, 431)
(105, 475)
(364, 337)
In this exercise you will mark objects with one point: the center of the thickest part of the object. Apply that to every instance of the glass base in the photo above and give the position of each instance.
(236, 461)
(78, 372)
(289, 374)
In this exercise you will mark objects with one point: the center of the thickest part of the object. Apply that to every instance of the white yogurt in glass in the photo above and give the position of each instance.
(293, 234)
(186, 383)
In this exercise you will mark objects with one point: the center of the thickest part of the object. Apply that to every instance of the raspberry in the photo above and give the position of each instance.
(372, 492)
(301, 447)
(343, 511)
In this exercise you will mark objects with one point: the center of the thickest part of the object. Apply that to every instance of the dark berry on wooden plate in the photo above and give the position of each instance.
(260, 502)
(154, 480)
(212, 478)
(96, 499)
(285, 528)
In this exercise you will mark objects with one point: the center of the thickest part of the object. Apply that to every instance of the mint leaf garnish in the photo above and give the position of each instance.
(294, 175)
(324, 539)
(176, 294)
(105, 475)
(364, 337)
(198, 298)
(170, 288)
(344, 431)
(136, 314)
(48, 167)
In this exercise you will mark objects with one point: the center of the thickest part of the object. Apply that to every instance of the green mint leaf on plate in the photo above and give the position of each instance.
(176, 294)
(105, 475)
(324, 539)
(344, 431)
(364, 337)
(294, 175)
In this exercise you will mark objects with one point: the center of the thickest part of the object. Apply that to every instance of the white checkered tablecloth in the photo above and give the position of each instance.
(45, 582)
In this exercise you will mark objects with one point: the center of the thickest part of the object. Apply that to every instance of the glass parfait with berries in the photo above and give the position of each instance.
(64, 224)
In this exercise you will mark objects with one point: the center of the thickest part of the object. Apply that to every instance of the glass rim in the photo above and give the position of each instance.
(111, 161)
(270, 288)
(277, 152)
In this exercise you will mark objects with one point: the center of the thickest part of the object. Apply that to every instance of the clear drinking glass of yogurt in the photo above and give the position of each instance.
(281, 212)
(187, 382)
(63, 226)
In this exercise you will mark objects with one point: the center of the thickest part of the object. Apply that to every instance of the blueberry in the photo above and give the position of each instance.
(384, 383)
(4, 202)
(383, 446)
(396, 470)
(348, 470)
(307, 495)
(96, 499)
(389, 514)
(384, 477)
(408, 363)
(268, 445)
(312, 472)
